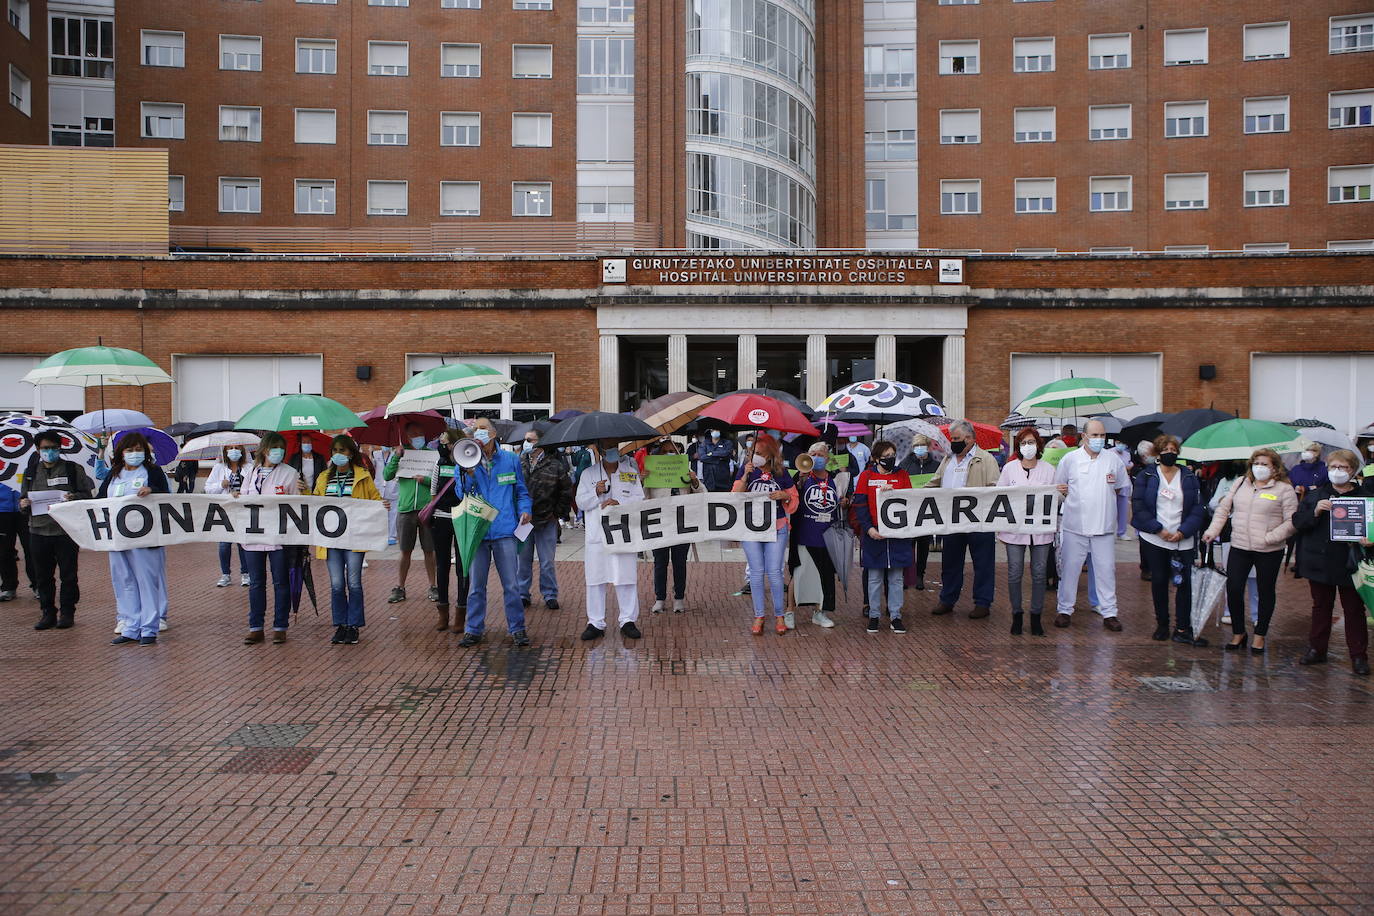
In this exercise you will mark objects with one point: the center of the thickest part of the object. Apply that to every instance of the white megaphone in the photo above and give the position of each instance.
(467, 453)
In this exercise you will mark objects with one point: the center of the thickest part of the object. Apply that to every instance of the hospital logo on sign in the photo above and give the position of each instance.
(305, 421)
(758, 415)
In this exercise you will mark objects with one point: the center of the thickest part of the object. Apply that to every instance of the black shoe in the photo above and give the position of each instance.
(873, 624)
(1036, 628)
(592, 633)
(897, 625)
(744, 590)
(148, 641)
(64, 620)
(1360, 666)
(1237, 644)
(47, 622)
(123, 640)
(1183, 635)
(340, 636)
(520, 638)
(1016, 624)
(551, 604)
(1313, 657)
(469, 640)
(351, 637)
(920, 585)
(630, 631)
(1161, 633)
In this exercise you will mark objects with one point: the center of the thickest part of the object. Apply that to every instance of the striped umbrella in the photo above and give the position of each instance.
(100, 365)
(671, 412)
(1074, 397)
(1238, 439)
(1015, 420)
(299, 411)
(447, 386)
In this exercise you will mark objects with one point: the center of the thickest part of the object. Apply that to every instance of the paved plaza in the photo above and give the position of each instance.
(699, 770)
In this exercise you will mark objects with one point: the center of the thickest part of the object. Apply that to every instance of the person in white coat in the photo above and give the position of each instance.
(611, 480)
(1090, 479)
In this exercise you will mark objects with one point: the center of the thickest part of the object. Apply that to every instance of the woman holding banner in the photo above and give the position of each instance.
(765, 473)
(348, 476)
(1027, 469)
(888, 558)
(226, 479)
(677, 554)
(920, 463)
(138, 575)
(269, 475)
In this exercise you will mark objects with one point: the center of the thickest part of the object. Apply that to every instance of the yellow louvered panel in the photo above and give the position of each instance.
(67, 200)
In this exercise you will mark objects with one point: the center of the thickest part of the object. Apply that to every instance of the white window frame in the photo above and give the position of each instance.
(543, 121)
(1264, 197)
(1358, 193)
(1032, 63)
(329, 56)
(459, 71)
(1129, 192)
(960, 199)
(1184, 126)
(1034, 136)
(388, 211)
(334, 125)
(1350, 245)
(475, 184)
(1264, 121)
(251, 61)
(460, 4)
(1104, 134)
(252, 187)
(1343, 117)
(1350, 34)
(1035, 203)
(1190, 203)
(517, 187)
(21, 91)
(176, 202)
(1265, 247)
(947, 134)
(1254, 28)
(228, 132)
(328, 201)
(377, 137)
(176, 121)
(532, 4)
(378, 69)
(177, 52)
(515, 73)
(1112, 61)
(444, 128)
(18, 13)
(1191, 61)
(947, 61)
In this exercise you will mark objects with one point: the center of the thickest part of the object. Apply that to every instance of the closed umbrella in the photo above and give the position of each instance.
(1237, 439)
(1074, 397)
(472, 519)
(1186, 422)
(590, 427)
(111, 420)
(1208, 587)
(757, 411)
(839, 543)
(881, 400)
(288, 412)
(448, 386)
(671, 412)
(384, 429)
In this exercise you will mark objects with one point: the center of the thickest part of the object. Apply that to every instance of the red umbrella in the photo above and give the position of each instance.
(320, 442)
(757, 411)
(987, 437)
(384, 430)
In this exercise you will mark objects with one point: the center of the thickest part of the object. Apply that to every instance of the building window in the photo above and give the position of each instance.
(1186, 249)
(81, 116)
(19, 16)
(1267, 188)
(1032, 55)
(1109, 52)
(314, 195)
(1119, 249)
(606, 66)
(1352, 33)
(240, 52)
(1266, 41)
(1350, 109)
(890, 130)
(875, 203)
(388, 58)
(961, 196)
(315, 125)
(605, 133)
(960, 126)
(1266, 115)
(460, 4)
(958, 3)
(331, 2)
(388, 2)
(82, 46)
(531, 198)
(240, 195)
(533, 62)
(460, 128)
(1185, 192)
(388, 128)
(959, 57)
(176, 193)
(1186, 46)
(163, 49)
(386, 198)
(891, 201)
(598, 12)
(1351, 245)
(531, 129)
(164, 120)
(1033, 125)
(533, 4)
(240, 123)
(889, 66)
(1266, 246)
(605, 203)
(316, 55)
(1109, 193)
(1036, 252)
(1347, 184)
(1109, 122)
(460, 60)
(21, 90)
(1185, 119)
(460, 198)
(1035, 195)
(897, 9)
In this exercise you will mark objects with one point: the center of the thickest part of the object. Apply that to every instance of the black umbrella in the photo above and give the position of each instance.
(1111, 425)
(214, 426)
(1145, 426)
(598, 425)
(783, 396)
(517, 435)
(1308, 423)
(1186, 422)
(178, 429)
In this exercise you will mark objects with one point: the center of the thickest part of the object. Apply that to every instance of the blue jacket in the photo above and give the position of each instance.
(504, 488)
(1145, 493)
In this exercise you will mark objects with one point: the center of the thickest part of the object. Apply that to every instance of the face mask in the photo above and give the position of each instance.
(715, 434)
(957, 447)
(1339, 478)
(1309, 456)
(1027, 450)
(1370, 448)
(235, 454)
(48, 454)
(275, 455)
(611, 455)
(417, 441)
(133, 459)
(527, 446)
(1261, 472)
(920, 451)
(1095, 443)
(339, 459)
(1168, 459)
(853, 438)
(748, 443)
(306, 448)
(482, 435)
(885, 462)
(760, 461)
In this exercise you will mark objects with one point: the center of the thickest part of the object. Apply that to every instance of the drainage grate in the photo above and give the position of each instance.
(262, 760)
(1174, 684)
(285, 735)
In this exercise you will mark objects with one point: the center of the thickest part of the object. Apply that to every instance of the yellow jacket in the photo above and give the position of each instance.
(363, 488)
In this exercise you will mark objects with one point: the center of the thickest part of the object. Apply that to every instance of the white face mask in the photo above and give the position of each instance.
(1261, 472)
(1095, 443)
(1370, 448)
(1027, 450)
(1339, 478)
(760, 461)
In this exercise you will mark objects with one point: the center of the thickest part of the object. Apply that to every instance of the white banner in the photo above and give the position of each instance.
(161, 520)
(689, 519)
(1013, 510)
(417, 463)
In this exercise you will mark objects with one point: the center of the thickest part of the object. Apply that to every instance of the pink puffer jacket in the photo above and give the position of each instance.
(1261, 515)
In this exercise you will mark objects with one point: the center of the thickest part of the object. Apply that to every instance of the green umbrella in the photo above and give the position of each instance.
(471, 520)
(1074, 397)
(449, 384)
(100, 365)
(299, 412)
(1233, 439)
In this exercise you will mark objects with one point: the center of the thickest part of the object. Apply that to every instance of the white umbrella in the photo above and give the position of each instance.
(209, 447)
(901, 435)
(1323, 436)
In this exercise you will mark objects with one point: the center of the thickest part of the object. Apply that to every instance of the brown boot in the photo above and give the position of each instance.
(253, 638)
(443, 617)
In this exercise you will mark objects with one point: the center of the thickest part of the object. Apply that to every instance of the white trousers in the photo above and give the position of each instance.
(139, 581)
(626, 597)
(1074, 550)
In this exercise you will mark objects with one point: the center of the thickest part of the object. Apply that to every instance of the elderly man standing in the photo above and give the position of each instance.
(1089, 478)
(967, 465)
(551, 494)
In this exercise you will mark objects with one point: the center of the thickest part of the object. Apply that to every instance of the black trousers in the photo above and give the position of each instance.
(54, 558)
(678, 555)
(14, 529)
(446, 557)
(923, 554)
(1157, 561)
(826, 570)
(1238, 565)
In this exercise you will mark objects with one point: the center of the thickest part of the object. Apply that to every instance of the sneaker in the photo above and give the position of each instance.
(351, 637)
(629, 630)
(340, 634)
(873, 624)
(592, 633)
(790, 618)
(822, 619)
(148, 641)
(1226, 618)
(520, 638)
(398, 595)
(434, 594)
(391, 542)
(1161, 633)
(679, 605)
(744, 590)
(119, 628)
(6, 595)
(162, 626)
(469, 640)
(897, 625)
(243, 579)
(551, 603)
(657, 608)
(222, 581)
(123, 640)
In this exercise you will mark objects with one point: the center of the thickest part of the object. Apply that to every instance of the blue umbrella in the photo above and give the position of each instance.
(164, 446)
(111, 420)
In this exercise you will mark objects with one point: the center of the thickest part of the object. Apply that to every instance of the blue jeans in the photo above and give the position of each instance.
(766, 558)
(502, 552)
(982, 546)
(226, 551)
(258, 563)
(876, 579)
(544, 538)
(346, 587)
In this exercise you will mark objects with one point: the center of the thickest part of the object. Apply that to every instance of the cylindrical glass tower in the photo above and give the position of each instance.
(751, 124)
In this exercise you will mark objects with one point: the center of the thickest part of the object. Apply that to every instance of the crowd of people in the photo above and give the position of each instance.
(1245, 517)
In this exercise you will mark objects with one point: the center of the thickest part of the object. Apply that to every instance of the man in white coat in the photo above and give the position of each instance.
(610, 481)
(1089, 478)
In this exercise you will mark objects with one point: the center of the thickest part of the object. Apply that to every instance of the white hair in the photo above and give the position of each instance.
(963, 426)
(818, 448)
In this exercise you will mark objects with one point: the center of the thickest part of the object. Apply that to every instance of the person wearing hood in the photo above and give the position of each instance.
(918, 464)
(967, 465)
(717, 456)
(612, 480)
(347, 476)
(226, 478)
(138, 576)
(270, 475)
(412, 495)
(551, 498)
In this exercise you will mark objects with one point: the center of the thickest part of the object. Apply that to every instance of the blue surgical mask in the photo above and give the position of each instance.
(339, 459)
(715, 434)
(133, 459)
(48, 454)
(482, 434)
(853, 438)
(527, 446)
(920, 451)
(275, 455)
(417, 441)
(306, 448)
(1096, 442)
(611, 455)
(234, 454)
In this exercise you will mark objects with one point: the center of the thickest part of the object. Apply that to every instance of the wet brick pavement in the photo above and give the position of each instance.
(700, 770)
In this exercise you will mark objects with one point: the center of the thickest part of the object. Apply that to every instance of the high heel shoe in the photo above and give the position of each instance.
(1236, 644)
(1256, 650)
